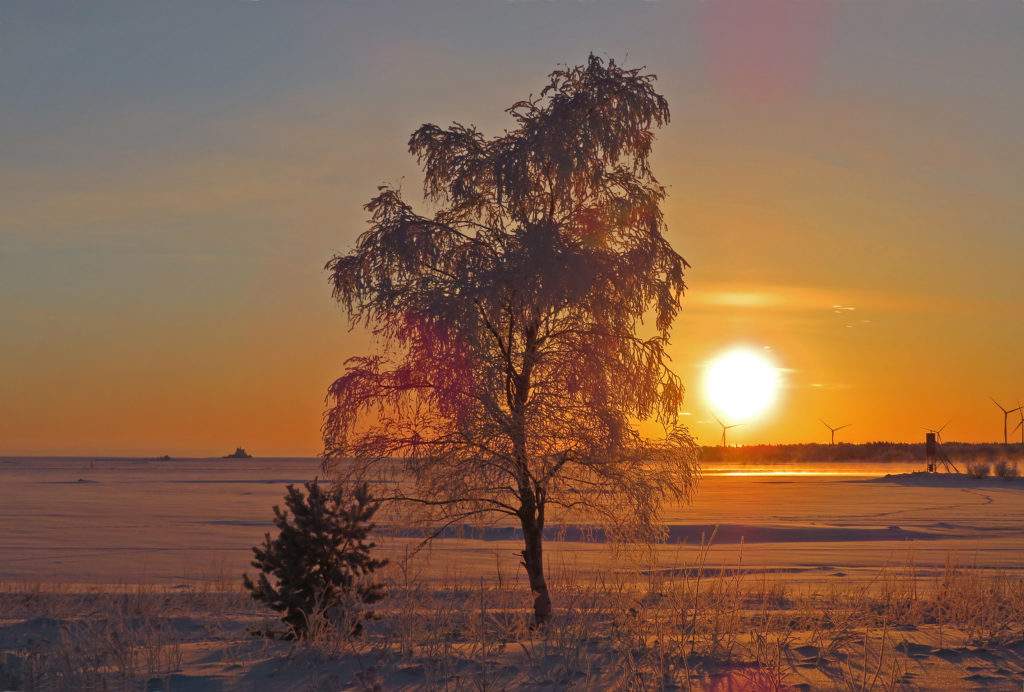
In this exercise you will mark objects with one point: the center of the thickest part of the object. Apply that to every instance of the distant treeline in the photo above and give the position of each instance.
(868, 451)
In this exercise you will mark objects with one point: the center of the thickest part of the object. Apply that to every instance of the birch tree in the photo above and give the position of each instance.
(522, 323)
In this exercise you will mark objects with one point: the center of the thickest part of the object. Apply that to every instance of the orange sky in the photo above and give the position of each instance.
(174, 179)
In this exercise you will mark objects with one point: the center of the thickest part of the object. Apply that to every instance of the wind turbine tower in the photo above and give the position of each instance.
(725, 427)
(1006, 417)
(834, 430)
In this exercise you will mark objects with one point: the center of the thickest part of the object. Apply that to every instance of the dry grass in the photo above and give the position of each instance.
(60, 637)
(645, 627)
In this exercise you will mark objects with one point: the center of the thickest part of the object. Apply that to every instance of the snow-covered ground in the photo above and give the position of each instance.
(103, 557)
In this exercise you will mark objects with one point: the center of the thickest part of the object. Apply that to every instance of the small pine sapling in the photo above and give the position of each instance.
(320, 561)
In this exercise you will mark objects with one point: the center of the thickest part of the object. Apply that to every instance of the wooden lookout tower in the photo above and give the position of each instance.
(934, 454)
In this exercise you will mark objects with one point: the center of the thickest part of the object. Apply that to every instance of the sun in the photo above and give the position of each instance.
(742, 383)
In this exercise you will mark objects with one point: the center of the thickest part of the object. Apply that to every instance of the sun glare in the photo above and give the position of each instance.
(741, 383)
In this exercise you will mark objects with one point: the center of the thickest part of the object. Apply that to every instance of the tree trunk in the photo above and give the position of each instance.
(533, 561)
(531, 497)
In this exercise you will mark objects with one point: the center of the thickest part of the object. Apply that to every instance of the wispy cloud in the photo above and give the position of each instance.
(717, 297)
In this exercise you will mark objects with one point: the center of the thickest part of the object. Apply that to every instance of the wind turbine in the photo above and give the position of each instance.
(834, 430)
(724, 427)
(1006, 416)
(938, 433)
(1020, 423)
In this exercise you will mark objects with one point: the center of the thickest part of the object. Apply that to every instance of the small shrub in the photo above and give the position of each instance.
(1006, 469)
(978, 469)
(320, 560)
